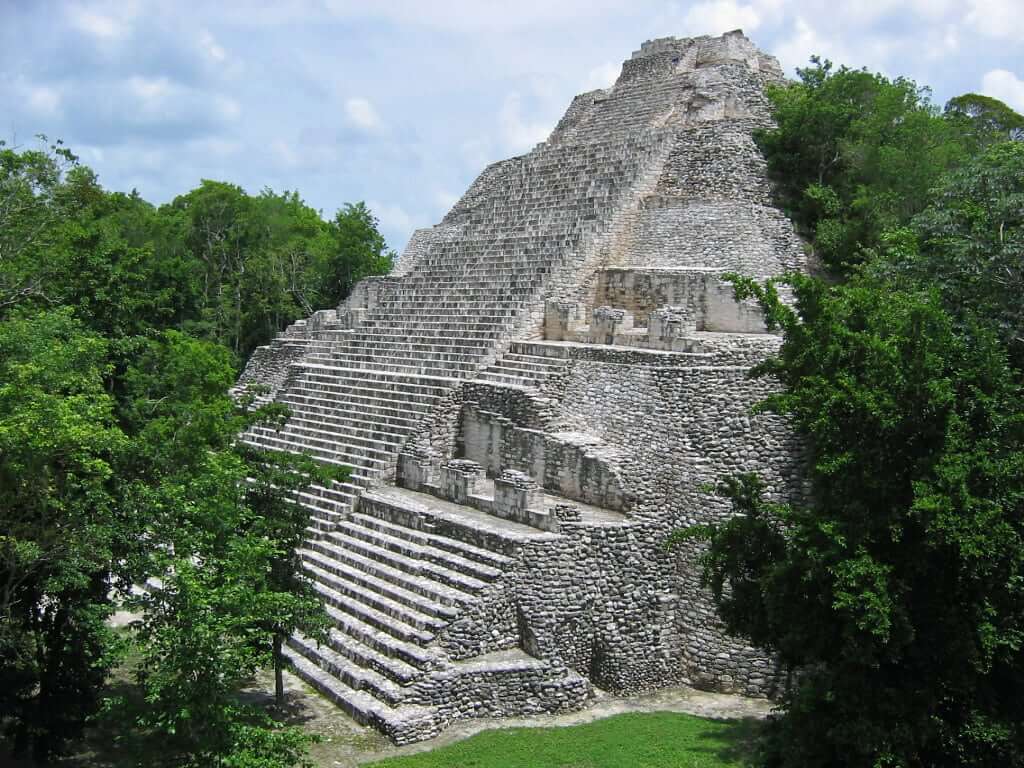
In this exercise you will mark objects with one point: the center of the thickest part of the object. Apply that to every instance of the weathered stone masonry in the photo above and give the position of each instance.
(533, 399)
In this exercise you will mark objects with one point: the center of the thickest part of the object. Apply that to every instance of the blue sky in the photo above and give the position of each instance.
(402, 102)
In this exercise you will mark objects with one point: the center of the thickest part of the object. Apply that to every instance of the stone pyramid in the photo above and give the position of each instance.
(533, 399)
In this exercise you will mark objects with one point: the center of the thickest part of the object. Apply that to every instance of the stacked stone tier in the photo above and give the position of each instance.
(434, 603)
(392, 578)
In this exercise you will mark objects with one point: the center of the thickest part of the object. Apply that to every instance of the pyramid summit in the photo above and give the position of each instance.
(534, 399)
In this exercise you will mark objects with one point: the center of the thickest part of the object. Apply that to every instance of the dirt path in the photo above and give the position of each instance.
(346, 744)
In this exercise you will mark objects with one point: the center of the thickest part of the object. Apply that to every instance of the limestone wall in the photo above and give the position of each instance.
(610, 237)
(684, 428)
(569, 465)
(701, 297)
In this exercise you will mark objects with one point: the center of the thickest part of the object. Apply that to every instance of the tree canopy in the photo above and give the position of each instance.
(122, 328)
(856, 154)
(895, 590)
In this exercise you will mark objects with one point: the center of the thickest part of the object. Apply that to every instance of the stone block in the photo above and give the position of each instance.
(561, 320)
(514, 494)
(459, 479)
(350, 318)
(666, 324)
(606, 322)
(413, 471)
(566, 513)
(322, 319)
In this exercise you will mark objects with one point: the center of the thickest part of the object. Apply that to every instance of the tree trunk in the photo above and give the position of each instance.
(278, 671)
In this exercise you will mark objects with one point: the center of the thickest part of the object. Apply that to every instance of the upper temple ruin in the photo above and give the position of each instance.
(533, 399)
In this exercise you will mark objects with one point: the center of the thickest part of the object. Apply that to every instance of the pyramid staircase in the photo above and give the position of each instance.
(404, 575)
(390, 582)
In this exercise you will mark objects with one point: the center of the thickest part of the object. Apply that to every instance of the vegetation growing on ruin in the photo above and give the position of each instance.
(897, 589)
(856, 154)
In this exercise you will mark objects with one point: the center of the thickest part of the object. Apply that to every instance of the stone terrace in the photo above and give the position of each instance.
(497, 548)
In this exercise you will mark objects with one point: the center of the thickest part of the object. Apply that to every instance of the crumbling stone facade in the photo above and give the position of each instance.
(534, 399)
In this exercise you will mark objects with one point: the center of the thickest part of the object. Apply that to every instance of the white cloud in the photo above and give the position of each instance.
(152, 90)
(361, 114)
(393, 217)
(44, 100)
(1005, 86)
(228, 108)
(795, 50)
(874, 52)
(714, 17)
(477, 152)
(210, 45)
(602, 76)
(217, 147)
(283, 151)
(473, 15)
(445, 199)
(102, 26)
(996, 18)
(518, 133)
(951, 40)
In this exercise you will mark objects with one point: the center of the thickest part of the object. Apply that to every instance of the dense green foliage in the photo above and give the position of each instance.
(122, 327)
(856, 154)
(654, 740)
(895, 589)
(216, 263)
(62, 529)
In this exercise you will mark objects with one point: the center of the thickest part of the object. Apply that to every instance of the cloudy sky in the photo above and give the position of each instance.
(402, 102)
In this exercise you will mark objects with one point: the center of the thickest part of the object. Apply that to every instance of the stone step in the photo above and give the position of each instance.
(324, 513)
(386, 414)
(361, 429)
(320, 438)
(329, 549)
(496, 310)
(452, 345)
(476, 275)
(427, 578)
(351, 674)
(404, 724)
(341, 454)
(426, 337)
(543, 350)
(424, 611)
(446, 296)
(338, 493)
(451, 521)
(482, 565)
(412, 403)
(393, 527)
(396, 619)
(508, 380)
(380, 382)
(399, 352)
(413, 656)
(432, 365)
(364, 656)
(420, 324)
(425, 326)
(531, 362)
(450, 304)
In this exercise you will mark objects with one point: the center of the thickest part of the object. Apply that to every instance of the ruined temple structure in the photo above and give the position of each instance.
(533, 399)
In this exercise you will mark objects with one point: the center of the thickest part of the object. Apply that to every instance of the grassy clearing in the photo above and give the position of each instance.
(635, 740)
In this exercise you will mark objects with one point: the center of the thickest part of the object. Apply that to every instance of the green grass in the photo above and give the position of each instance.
(655, 740)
